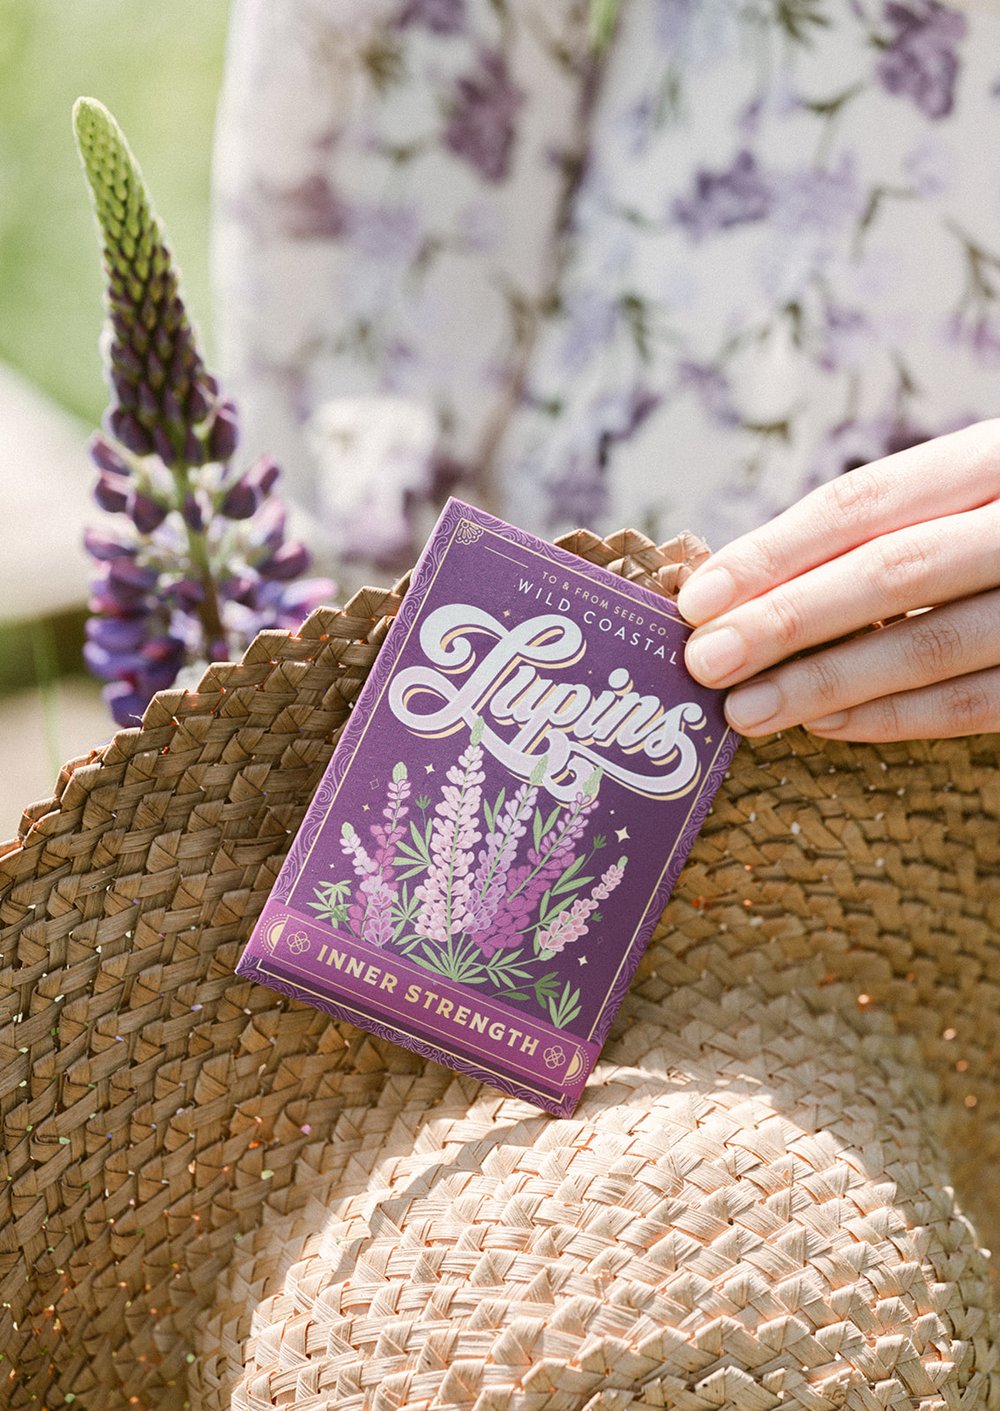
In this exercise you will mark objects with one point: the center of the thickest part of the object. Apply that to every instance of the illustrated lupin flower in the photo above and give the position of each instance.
(364, 867)
(528, 883)
(496, 859)
(198, 562)
(373, 921)
(446, 895)
(573, 922)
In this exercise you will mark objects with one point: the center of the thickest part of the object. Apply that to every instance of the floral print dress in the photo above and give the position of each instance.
(747, 246)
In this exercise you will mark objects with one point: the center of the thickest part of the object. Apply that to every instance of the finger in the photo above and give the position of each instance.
(945, 642)
(965, 705)
(951, 473)
(939, 561)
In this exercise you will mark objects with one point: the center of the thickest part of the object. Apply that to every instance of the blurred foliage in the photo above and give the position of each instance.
(159, 67)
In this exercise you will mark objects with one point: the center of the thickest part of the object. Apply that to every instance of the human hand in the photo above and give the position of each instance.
(919, 529)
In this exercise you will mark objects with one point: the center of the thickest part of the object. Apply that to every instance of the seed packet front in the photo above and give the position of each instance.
(504, 816)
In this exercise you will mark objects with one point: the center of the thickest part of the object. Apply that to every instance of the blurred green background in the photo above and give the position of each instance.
(158, 68)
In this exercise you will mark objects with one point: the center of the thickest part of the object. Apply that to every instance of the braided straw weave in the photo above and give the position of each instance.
(213, 1195)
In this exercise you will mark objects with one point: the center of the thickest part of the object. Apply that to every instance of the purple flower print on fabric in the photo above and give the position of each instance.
(733, 196)
(819, 199)
(856, 442)
(712, 387)
(578, 492)
(919, 59)
(480, 126)
(592, 320)
(441, 16)
(310, 211)
(844, 336)
(391, 234)
(980, 333)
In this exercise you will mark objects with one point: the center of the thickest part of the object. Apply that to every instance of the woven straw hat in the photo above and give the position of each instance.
(212, 1195)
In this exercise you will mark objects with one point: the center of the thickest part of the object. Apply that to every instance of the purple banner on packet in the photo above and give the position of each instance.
(504, 816)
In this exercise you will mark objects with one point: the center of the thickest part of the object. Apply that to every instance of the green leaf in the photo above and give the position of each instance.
(574, 866)
(572, 885)
(564, 1010)
(544, 827)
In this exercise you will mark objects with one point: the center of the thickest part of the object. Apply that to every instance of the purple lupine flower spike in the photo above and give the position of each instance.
(201, 587)
(149, 327)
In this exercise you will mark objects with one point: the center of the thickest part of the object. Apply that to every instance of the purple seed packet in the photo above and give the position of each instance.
(504, 816)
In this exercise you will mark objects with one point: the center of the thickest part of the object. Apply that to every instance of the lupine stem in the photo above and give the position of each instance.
(208, 608)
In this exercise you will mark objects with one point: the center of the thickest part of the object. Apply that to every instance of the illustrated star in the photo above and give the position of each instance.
(581, 960)
(429, 768)
(621, 834)
(366, 808)
(708, 739)
(506, 612)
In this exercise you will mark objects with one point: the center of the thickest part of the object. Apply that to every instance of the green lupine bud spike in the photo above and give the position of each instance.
(160, 388)
(477, 730)
(622, 861)
(347, 830)
(399, 773)
(592, 784)
(538, 773)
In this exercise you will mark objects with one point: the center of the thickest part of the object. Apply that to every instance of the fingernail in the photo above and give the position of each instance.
(715, 654)
(706, 594)
(752, 705)
(828, 722)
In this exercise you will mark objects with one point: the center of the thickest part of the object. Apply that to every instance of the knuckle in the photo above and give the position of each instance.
(854, 498)
(822, 680)
(933, 647)
(761, 562)
(967, 704)
(890, 717)
(903, 565)
(784, 620)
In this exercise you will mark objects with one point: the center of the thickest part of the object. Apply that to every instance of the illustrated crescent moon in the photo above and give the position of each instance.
(273, 933)
(576, 1063)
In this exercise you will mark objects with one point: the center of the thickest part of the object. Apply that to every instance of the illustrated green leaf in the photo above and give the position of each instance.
(573, 884)
(564, 1010)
